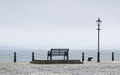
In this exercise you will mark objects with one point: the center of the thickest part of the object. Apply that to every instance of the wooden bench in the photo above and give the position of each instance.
(57, 52)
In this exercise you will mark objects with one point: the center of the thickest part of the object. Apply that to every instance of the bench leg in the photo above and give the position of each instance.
(67, 57)
(64, 57)
(50, 57)
(47, 57)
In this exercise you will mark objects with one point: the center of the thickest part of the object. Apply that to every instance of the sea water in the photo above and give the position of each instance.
(26, 55)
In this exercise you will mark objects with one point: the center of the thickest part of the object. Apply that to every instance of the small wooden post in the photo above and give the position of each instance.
(112, 56)
(14, 57)
(33, 56)
(82, 56)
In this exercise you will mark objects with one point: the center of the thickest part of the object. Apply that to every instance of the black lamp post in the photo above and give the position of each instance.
(98, 54)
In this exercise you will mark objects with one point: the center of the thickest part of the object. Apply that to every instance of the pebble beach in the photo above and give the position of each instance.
(87, 68)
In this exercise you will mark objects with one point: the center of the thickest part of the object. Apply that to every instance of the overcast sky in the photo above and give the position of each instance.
(45, 24)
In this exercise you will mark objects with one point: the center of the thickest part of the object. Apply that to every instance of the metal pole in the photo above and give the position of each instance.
(82, 56)
(14, 56)
(98, 55)
(33, 56)
(112, 56)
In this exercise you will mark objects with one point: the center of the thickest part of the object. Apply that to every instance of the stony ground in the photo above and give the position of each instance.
(88, 68)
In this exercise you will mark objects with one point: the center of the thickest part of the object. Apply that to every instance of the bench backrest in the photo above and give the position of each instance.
(59, 51)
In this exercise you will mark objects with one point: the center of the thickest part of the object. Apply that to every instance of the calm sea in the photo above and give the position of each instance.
(26, 55)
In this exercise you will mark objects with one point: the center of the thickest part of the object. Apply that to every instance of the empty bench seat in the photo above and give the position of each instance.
(57, 52)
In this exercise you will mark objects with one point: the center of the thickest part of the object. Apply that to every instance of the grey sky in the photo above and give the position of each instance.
(49, 24)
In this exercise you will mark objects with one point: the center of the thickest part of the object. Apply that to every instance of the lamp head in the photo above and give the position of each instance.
(98, 21)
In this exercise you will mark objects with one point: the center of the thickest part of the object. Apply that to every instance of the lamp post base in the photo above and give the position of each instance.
(98, 57)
